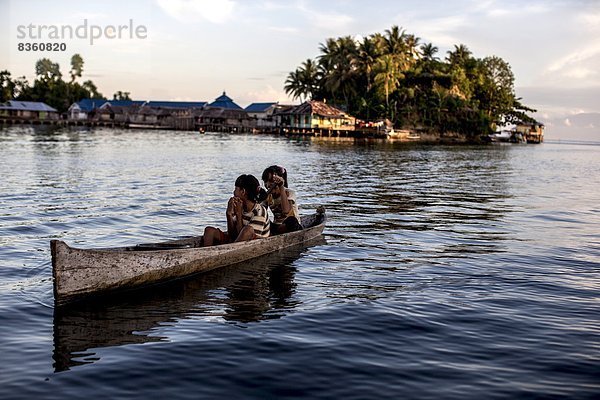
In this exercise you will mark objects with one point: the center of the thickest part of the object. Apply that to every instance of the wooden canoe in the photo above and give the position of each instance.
(80, 273)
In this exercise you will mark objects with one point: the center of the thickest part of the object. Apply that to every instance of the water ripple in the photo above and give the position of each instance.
(452, 272)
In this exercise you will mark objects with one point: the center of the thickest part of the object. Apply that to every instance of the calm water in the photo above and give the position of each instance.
(444, 272)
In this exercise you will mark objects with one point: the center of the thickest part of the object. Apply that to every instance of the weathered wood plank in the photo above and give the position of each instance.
(82, 272)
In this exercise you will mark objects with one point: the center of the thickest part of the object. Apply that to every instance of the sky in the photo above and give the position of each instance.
(194, 50)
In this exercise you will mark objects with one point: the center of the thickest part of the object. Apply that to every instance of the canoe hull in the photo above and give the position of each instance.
(79, 273)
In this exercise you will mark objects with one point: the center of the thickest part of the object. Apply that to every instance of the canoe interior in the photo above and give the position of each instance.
(306, 221)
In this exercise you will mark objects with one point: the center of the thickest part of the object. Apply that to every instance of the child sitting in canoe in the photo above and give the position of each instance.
(247, 219)
(281, 201)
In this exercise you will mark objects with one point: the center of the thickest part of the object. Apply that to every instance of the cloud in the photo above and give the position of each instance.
(265, 94)
(576, 57)
(571, 52)
(441, 31)
(581, 126)
(331, 22)
(566, 112)
(582, 64)
(502, 9)
(217, 12)
(334, 22)
(89, 16)
(180, 98)
(279, 29)
(590, 20)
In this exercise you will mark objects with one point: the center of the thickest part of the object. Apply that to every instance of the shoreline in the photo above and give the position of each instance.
(405, 136)
(416, 136)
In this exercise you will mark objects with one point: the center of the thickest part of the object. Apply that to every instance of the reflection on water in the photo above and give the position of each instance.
(241, 293)
(428, 203)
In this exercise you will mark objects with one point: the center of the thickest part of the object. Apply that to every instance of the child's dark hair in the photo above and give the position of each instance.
(275, 170)
(250, 184)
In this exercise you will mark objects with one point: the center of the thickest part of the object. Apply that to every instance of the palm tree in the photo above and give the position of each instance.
(293, 84)
(337, 67)
(387, 75)
(428, 51)
(429, 63)
(460, 55)
(394, 40)
(310, 77)
(329, 51)
(366, 58)
(303, 83)
(411, 45)
(401, 47)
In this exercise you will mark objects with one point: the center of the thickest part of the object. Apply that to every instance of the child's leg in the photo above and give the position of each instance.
(247, 233)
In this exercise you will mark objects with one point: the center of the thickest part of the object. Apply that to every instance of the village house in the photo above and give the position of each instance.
(86, 108)
(219, 119)
(315, 115)
(143, 115)
(81, 110)
(27, 110)
(132, 115)
(532, 133)
(262, 113)
(113, 113)
(137, 113)
(179, 115)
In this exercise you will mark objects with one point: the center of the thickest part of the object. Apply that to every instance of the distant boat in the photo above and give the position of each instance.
(507, 136)
(501, 136)
(397, 134)
(144, 126)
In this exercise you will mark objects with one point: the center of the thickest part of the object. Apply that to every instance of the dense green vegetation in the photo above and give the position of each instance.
(49, 86)
(394, 76)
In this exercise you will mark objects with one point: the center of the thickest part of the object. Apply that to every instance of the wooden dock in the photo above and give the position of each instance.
(325, 133)
(60, 122)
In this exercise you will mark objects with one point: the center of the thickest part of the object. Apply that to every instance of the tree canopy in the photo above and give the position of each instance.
(395, 76)
(49, 86)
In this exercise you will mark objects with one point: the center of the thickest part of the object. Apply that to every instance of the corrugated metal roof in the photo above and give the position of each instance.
(26, 106)
(177, 104)
(259, 107)
(318, 108)
(125, 102)
(108, 108)
(89, 105)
